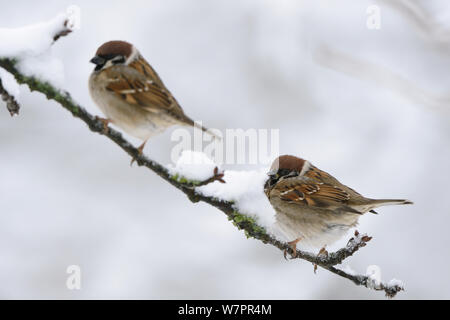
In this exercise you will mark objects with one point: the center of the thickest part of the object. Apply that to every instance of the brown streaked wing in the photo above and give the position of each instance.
(140, 93)
(324, 177)
(312, 194)
(146, 95)
(136, 88)
(143, 67)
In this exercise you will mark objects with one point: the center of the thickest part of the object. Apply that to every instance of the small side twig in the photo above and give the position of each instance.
(353, 245)
(65, 30)
(217, 176)
(11, 103)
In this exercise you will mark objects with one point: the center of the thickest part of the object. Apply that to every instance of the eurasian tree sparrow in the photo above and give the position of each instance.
(131, 94)
(313, 206)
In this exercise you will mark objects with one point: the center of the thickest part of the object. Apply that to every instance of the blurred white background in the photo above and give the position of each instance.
(68, 196)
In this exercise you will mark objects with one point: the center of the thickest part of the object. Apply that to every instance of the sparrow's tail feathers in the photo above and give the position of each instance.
(208, 131)
(389, 202)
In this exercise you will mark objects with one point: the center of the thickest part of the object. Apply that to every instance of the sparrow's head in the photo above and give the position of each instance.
(283, 167)
(286, 165)
(113, 53)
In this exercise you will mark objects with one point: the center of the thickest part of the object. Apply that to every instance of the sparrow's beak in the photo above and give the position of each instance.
(98, 60)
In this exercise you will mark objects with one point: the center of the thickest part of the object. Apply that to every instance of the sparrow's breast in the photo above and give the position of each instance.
(317, 227)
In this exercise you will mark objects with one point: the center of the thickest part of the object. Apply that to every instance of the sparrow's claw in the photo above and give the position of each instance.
(322, 252)
(140, 151)
(293, 245)
(105, 123)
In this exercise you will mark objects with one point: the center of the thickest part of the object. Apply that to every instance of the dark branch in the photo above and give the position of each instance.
(11, 102)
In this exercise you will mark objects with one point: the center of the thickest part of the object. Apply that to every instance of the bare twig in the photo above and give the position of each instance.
(432, 31)
(217, 176)
(64, 31)
(381, 76)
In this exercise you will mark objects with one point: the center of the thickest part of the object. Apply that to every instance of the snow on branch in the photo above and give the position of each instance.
(33, 40)
(30, 46)
(9, 91)
(238, 194)
(372, 280)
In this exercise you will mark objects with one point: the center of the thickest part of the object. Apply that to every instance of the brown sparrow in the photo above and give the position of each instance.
(131, 94)
(311, 205)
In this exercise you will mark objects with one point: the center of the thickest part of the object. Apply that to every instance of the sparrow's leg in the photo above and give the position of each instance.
(322, 252)
(141, 147)
(105, 123)
(140, 151)
(293, 245)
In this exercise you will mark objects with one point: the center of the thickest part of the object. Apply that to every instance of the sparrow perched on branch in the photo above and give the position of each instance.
(311, 205)
(131, 94)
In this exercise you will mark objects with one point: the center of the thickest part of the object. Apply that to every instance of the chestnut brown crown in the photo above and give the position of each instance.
(115, 48)
(287, 163)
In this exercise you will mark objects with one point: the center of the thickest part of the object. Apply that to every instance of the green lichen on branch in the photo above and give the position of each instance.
(249, 225)
(183, 180)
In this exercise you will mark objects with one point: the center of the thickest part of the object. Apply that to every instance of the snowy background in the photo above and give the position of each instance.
(381, 125)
